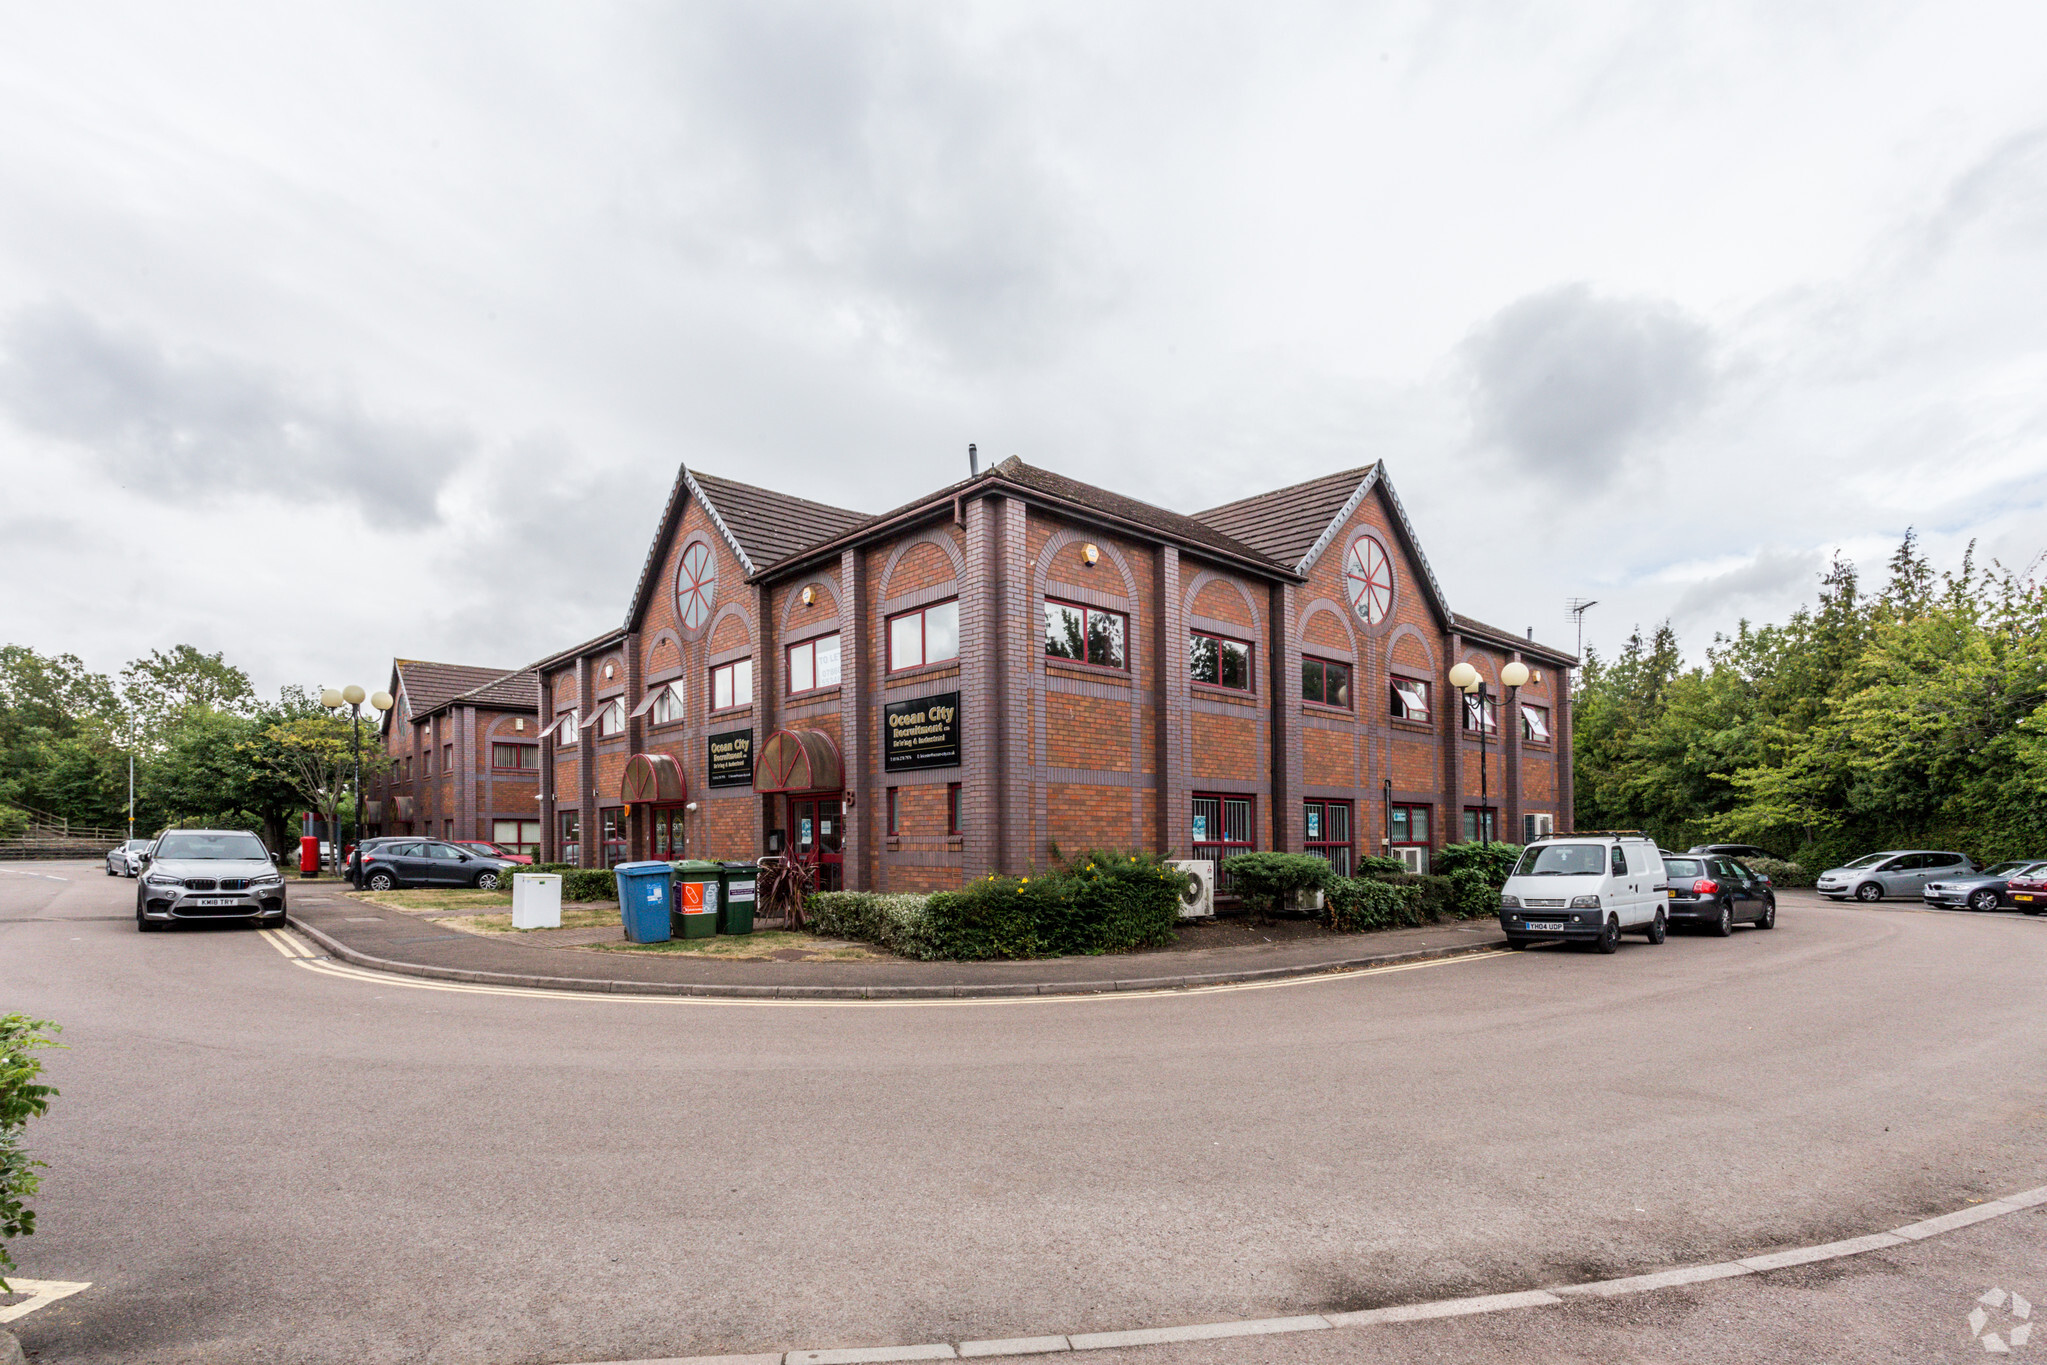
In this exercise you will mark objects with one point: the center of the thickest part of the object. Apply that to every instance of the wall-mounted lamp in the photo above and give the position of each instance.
(809, 596)
(607, 670)
(1092, 553)
(518, 722)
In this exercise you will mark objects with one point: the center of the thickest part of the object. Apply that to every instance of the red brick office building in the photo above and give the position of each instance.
(464, 746)
(1022, 662)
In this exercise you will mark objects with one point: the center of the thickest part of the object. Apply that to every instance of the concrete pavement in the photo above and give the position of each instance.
(254, 1159)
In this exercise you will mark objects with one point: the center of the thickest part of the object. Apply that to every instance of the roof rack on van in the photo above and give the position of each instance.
(1608, 833)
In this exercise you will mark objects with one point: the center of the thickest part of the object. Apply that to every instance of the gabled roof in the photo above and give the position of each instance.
(1286, 523)
(428, 686)
(1507, 639)
(761, 526)
(516, 691)
(1295, 525)
(596, 642)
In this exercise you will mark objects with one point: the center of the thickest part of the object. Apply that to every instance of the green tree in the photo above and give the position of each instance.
(22, 1097)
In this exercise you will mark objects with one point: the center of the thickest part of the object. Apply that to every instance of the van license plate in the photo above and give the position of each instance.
(1544, 924)
(215, 900)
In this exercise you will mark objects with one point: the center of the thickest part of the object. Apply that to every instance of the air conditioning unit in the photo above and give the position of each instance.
(1197, 898)
(1416, 859)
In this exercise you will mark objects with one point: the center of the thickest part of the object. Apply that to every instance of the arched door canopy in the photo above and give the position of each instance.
(651, 778)
(799, 761)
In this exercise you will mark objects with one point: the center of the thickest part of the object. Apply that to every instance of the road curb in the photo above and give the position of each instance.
(998, 990)
(1067, 1343)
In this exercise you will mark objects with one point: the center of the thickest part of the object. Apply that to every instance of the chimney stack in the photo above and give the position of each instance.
(973, 461)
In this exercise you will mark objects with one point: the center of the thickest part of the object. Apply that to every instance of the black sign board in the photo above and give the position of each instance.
(921, 734)
(731, 760)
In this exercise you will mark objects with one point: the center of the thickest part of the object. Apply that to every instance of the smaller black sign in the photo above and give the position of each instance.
(921, 734)
(731, 762)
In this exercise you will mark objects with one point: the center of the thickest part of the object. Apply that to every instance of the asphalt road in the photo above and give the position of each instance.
(253, 1161)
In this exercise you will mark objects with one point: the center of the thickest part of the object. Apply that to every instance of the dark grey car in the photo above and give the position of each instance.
(209, 874)
(1716, 893)
(1982, 890)
(1898, 872)
(430, 862)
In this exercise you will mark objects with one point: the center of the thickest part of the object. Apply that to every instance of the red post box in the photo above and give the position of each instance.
(309, 856)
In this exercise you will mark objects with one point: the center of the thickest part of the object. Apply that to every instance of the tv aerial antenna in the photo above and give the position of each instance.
(1578, 606)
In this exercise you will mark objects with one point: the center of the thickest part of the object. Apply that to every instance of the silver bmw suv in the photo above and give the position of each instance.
(212, 874)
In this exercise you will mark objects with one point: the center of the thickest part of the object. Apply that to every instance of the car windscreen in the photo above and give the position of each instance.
(1683, 867)
(1870, 860)
(136, 844)
(2003, 869)
(183, 844)
(1562, 860)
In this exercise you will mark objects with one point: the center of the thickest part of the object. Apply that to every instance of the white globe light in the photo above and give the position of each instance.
(1463, 677)
(330, 699)
(1514, 674)
(353, 695)
(381, 700)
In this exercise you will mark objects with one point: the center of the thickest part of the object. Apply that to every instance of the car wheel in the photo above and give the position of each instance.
(1659, 928)
(1724, 926)
(1768, 919)
(1985, 899)
(143, 924)
(1869, 893)
(1519, 943)
(1609, 940)
(486, 881)
(382, 881)
(110, 869)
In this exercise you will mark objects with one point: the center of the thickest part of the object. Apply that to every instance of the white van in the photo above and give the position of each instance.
(1585, 888)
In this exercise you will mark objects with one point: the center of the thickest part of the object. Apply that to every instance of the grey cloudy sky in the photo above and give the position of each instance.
(332, 334)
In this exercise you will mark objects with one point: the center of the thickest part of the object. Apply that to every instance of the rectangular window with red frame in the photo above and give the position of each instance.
(1219, 661)
(895, 817)
(1087, 635)
(1329, 833)
(928, 635)
(814, 664)
(952, 808)
(732, 685)
(1222, 826)
(611, 820)
(1325, 682)
(520, 757)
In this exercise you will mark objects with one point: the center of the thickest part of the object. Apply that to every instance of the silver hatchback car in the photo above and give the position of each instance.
(212, 874)
(1900, 872)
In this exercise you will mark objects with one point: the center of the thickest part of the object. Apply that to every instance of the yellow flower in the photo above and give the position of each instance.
(1025, 882)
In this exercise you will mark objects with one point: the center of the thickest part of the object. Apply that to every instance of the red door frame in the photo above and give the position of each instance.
(830, 863)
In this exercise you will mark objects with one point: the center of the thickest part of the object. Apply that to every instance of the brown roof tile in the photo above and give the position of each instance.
(518, 691)
(1284, 525)
(430, 685)
(1493, 634)
(1173, 525)
(771, 526)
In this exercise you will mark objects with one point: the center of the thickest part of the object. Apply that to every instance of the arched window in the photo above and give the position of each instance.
(696, 586)
(1368, 576)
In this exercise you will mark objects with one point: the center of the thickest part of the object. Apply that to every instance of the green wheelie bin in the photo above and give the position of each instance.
(735, 907)
(696, 898)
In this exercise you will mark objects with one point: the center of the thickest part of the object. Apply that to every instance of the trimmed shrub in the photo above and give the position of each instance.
(994, 917)
(1780, 872)
(1494, 860)
(1435, 897)
(1375, 866)
(1112, 902)
(1357, 904)
(1473, 894)
(896, 922)
(578, 883)
(1272, 879)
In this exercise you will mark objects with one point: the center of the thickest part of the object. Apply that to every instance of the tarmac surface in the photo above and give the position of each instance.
(261, 1157)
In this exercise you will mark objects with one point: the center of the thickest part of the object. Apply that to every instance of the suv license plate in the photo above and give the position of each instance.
(215, 900)
(1545, 924)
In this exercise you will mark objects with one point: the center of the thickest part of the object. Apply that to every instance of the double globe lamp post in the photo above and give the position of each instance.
(352, 696)
(1471, 683)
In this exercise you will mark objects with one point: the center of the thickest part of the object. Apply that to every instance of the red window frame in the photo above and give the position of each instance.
(1319, 817)
(528, 840)
(923, 635)
(1087, 635)
(611, 830)
(571, 836)
(1393, 683)
(1408, 808)
(1475, 828)
(952, 808)
(1528, 730)
(730, 670)
(1470, 711)
(808, 647)
(1326, 664)
(895, 814)
(1250, 661)
(1221, 807)
(527, 756)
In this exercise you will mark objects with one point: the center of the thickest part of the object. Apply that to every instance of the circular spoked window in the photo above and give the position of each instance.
(696, 586)
(1368, 575)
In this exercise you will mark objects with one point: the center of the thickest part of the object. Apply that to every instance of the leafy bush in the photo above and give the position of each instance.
(1357, 904)
(1100, 902)
(1375, 866)
(1435, 896)
(896, 922)
(1779, 872)
(1473, 893)
(1272, 879)
(579, 883)
(1495, 861)
(22, 1097)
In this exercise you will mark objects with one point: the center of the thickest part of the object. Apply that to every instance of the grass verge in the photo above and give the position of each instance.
(465, 900)
(763, 945)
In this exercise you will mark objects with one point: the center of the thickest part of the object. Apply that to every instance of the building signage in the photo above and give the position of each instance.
(731, 761)
(922, 734)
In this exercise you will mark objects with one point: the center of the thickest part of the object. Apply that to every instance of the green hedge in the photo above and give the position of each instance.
(1780, 872)
(1359, 904)
(1098, 903)
(578, 883)
(1273, 879)
(1494, 861)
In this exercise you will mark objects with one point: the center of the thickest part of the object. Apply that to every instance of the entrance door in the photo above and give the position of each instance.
(817, 833)
(665, 826)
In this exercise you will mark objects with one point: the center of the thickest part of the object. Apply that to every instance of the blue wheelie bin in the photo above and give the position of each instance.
(645, 892)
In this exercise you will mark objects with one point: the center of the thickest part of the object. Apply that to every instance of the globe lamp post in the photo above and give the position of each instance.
(352, 697)
(1472, 684)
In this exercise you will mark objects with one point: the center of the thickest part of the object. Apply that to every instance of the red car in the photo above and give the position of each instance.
(478, 846)
(2028, 893)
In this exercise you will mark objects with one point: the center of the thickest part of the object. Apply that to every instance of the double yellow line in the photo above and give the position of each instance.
(303, 954)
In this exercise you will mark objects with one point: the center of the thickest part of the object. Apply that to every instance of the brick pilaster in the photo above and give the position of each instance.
(980, 694)
(767, 700)
(1283, 649)
(590, 846)
(857, 724)
(1171, 706)
(1015, 771)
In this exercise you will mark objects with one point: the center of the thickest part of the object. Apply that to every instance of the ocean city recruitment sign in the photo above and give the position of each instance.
(922, 734)
(731, 759)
